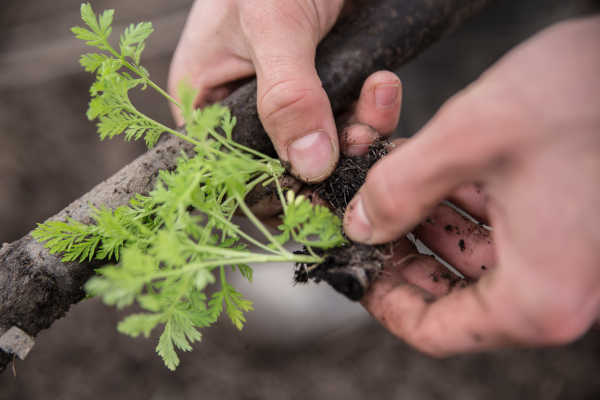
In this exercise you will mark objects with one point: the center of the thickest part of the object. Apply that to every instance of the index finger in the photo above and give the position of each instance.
(467, 319)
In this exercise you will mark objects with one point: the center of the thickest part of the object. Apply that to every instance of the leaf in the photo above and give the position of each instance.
(90, 38)
(203, 278)
(92, 61)
(311, 225)
(105, 21)
(187, 97)
(100, 29)
(246, 271)
(166, 350)
(89, 17)
(235, 304)
(137, 324)
(132, 40)
(111, 294)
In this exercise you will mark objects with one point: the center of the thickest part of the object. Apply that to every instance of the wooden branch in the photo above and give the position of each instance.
(36, 288)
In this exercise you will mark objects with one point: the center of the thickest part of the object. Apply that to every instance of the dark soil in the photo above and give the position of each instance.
(348, 269)
(349, 176)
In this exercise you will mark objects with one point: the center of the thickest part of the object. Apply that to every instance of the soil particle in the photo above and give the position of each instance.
(461, 245)
(483, 267)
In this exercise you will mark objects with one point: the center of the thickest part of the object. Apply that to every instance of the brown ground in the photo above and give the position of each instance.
(49, 155)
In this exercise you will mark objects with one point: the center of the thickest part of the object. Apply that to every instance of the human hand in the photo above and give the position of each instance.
(225, 41)
(519, 148)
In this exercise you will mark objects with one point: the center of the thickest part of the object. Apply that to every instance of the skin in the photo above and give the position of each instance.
(227, 40)
(528, 132)
(518, 149)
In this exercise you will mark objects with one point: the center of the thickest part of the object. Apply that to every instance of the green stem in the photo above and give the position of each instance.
(261, 227)
(247, 258)
(281, 196)
(163, 127)
(242, 234)
(230, 143)
(140, 74)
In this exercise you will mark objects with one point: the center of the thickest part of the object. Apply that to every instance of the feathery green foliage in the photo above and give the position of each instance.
(175, 243)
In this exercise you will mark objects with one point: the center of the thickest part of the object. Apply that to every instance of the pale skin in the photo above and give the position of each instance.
(519, 149)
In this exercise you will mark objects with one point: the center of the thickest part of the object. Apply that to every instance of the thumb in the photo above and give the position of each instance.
(403, 187)
(293, 106)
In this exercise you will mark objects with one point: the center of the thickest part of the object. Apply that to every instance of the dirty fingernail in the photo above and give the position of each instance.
(311, 156)
(357, 224)
(386, 94)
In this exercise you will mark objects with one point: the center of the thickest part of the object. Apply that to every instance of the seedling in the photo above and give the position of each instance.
(173, 244)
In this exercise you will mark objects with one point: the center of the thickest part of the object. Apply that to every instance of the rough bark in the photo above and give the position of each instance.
(36, 288)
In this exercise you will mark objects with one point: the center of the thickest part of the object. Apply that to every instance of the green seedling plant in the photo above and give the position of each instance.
(170, 249)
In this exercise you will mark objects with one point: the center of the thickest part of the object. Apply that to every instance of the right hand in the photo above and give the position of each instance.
(227, 40)
(527, 132)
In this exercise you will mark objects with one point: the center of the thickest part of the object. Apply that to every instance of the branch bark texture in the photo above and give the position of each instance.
(36, 288)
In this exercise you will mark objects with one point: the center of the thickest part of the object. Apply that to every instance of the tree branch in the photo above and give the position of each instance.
(36, 288)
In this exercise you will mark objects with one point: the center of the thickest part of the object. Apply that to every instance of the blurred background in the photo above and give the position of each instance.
(302, 341)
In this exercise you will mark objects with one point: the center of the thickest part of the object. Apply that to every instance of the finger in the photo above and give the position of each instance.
(472, 199)
(465, 245)
(420, 270)
(458, 322)
(215, 80)
(380, 102)
(292, 103)
(405, 266)
(403, 187)
(485, 315)
(356, 138)
(376, 113)
(208, 57)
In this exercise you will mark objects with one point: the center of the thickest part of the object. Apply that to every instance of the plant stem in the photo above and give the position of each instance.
(140, 74)
(242, 234)
(246, 258)
(261, 227)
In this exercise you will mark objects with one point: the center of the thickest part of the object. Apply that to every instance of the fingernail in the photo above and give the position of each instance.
(311, 156)
(357, 225)
(386, 94)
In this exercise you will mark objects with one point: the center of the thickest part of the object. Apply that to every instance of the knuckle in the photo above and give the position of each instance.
(291, 16)
(281, 98)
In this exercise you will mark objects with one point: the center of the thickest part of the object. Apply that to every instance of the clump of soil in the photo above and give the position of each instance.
(349, 269)
(349, 176)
